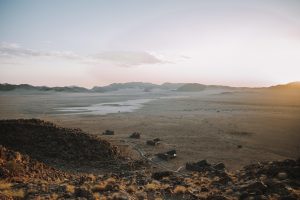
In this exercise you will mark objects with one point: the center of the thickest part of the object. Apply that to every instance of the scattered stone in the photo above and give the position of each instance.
(198, 166)
(135, 135)
(219, 166)
(168, 155)
(160, 175)
(204, 189)
(152, 142)
(216, 197)
(282, 175)
(108, 132)
(119, 196)
(256, 187)
(83, 192)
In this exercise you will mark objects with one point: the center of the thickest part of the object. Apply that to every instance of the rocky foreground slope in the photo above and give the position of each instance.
(31, 152)
(59, 147)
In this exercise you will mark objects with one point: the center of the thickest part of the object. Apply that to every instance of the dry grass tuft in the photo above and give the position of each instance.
(70, 188)
(179, 189)
(152, 186)
(119, 196)
(97, 196)
(14, 167)
(5, 186)
(131, 189)
(99, 187)
(111, 180)
(14, 193)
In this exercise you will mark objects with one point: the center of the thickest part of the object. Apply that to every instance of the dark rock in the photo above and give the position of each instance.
(198, 166)
(282, 175)
(83, 192)
(108, 132)
(168, 155)
(152, 142)
(219, 166)
(277, 187)
(204, 189)
(256, 187)
(223, 180)
(135, 135)
(216, 197)
(244, 195)
(288, 197)
(160, 175)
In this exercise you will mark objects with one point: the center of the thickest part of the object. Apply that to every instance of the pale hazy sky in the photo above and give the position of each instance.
(87, 43)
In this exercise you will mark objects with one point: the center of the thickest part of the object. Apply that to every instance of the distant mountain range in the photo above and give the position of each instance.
(181, 87)
(289, 86)
(11, 87)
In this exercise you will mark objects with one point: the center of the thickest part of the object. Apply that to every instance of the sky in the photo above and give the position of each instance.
(94, 43)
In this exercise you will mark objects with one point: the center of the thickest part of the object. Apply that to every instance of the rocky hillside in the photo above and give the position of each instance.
(30, 147)
(57, 146)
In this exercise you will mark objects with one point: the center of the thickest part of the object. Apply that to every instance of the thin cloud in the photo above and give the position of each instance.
(128, 58)
(15, 50)
(115, 58)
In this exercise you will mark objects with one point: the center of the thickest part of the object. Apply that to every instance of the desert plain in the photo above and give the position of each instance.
(235, 127)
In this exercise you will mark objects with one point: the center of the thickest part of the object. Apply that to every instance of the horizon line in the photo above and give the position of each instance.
(286, 83)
